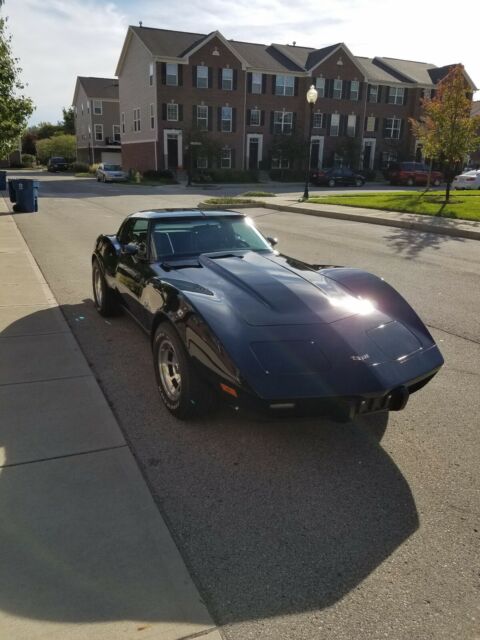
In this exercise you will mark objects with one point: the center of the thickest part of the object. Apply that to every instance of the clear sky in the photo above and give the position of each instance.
(57, 40)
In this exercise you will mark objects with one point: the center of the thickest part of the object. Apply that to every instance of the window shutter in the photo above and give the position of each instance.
(405, 96)
(294, 122)
(324, 120)
(262, 117)
(234, 119)
(249, 116)
(164, 73)
(295, 87)
(264, 83)
(360, 90)
(210, 77)
(330, 89)
(235, 79)
(387, 94)
(379, 93)
(232, 164)
(194, 75)
(164, 111)
(376, 123)
(194, 115)
(180, 75)
(343, 125)
(345, 89)
(402, 128)
(384, 127)
(249, 82)
(274, 83)
(180, 112)
(433, 94)
(219, 118)
(272, 115)
(219, 79)
(210, 118)
(365, 123)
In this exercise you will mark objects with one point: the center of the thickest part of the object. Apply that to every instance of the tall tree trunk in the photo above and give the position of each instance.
(447, 191)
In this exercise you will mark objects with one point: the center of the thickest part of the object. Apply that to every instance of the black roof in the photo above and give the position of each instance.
(159, 214)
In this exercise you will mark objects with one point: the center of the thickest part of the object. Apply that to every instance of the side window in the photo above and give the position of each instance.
(134, 231)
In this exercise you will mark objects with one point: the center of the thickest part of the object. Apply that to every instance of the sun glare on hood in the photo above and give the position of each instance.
(360, 306)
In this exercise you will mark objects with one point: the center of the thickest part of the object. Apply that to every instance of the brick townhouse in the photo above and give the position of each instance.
(245, 93)
(97, 120)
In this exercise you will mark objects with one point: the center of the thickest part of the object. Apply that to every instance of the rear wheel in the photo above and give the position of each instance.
(410, 182)
(436, 182)
(359, 183)
(331, 182)
(104, 298)
(183, 392)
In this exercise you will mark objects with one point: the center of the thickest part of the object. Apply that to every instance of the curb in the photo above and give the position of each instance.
(411, 222)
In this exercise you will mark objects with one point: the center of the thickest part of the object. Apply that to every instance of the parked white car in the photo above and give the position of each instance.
(467, 180)
(110, 173)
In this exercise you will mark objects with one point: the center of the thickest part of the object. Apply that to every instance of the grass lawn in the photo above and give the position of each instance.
(463, 204)
(230, 200)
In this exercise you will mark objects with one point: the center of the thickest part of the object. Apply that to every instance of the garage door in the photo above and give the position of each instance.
(111, 157)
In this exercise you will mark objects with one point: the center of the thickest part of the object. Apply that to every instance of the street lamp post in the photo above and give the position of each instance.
(312, 95)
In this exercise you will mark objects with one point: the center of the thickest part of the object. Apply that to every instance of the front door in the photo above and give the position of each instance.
(368, 153)
(172, 152)
(132, 270)
(253, 153)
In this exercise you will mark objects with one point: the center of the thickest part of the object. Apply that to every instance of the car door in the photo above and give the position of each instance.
(133, 270)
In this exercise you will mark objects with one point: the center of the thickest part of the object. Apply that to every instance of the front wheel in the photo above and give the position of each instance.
(410, 182)
(359, 183)
(436, 182)
(331, 182)
(183, 392)
(104, 298)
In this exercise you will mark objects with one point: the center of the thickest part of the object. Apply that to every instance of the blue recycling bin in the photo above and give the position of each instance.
(26, 196)
(12, 191)
(3, 180)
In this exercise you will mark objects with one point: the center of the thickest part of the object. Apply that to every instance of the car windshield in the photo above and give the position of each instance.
(180, 238)
(112, 167)
(57, 159)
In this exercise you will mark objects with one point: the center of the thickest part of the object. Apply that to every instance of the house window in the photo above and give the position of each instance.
(202, 77)
(226, 159)
(256, 83)
(354, 89)
(82, 108)
(373, 92)
(388, 157)
(88, 106)
(280, 163)
(152, 116)
(122, 120)
(282, 122)
(202, 162)
(337, 88)
(284, 85)
(226, 119)
(150, 74)
(371, 121)
(99, 132)
(116, 133)
(136, 119)
(317, 120)
(427, 94)
(255, 117)
(334, 124)
(202, 117)
(97, 107)
(172, 74)
(351, 125)
(320, 86)
(395, 95)
(227, 79)
(392, 128)
(89, 132)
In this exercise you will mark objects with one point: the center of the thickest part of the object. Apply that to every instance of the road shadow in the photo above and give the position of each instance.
(409, 243)
(272, 518)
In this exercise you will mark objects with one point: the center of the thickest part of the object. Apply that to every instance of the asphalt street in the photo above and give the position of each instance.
(301, 529)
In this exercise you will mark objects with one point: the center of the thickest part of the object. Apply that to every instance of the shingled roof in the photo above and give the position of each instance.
(278, 58)
(104, 88)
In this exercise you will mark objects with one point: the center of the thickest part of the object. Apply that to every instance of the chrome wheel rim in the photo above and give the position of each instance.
(98, 286)
(169, 370)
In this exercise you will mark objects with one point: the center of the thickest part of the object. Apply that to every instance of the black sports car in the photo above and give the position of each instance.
(338, 176)
(228, 315)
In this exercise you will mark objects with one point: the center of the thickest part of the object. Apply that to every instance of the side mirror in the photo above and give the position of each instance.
(272, 241)
(130, 249)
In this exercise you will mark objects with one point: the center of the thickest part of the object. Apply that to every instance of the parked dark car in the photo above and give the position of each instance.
(412, 173)
(57, 164)
(229, 316)
(340, 176)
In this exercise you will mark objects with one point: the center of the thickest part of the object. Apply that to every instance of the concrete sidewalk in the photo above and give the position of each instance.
(84, 551)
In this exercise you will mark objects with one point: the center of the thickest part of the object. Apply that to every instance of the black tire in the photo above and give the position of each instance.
(331, 182)
(182, 391)
(359, 183)
(104, 298)
(410, 182)
(436, 182)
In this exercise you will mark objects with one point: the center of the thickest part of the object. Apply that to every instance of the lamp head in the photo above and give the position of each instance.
(312, 95)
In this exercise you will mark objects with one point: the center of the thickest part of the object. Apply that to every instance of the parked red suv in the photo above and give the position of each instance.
(412, 173)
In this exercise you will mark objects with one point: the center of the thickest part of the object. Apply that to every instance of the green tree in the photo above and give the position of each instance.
(60, 145)
(15, 108)
(446, 129)
(48, 130)
(68, 120)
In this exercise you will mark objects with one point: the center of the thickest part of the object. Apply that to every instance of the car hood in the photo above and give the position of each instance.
(268, 290)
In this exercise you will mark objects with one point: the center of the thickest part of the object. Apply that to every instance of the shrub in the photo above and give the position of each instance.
(28, 160)
(368, 174)
(257, 194)
(93, 168)
(62, 145)
(151, 174)
(287, 175)
(226, 175)
(80, 167)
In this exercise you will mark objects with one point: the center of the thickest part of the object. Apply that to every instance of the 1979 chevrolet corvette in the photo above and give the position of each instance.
(228, 315)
